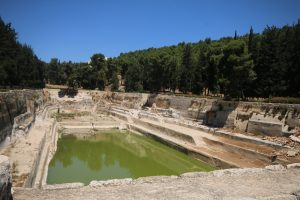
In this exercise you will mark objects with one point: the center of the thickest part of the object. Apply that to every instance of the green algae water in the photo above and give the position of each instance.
(114, 154)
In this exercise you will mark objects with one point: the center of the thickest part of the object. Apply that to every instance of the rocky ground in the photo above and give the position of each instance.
(274, 183)
(285, 141)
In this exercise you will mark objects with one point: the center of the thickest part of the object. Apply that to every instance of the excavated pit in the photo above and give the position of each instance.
(145, 156)
(182, 123)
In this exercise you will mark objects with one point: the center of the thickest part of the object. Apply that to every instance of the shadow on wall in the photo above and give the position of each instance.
(15, 103)
(221, 114)
(5, 178)
(151, 99)
(5, 191)
(69, 92)
(255, 117)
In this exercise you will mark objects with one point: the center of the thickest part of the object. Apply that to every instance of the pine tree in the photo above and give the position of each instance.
(250, 40)
(235, 35)
(115, 82)
(187, 74)
(239, 66)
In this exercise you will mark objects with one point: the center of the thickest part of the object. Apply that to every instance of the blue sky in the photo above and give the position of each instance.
(76, 29)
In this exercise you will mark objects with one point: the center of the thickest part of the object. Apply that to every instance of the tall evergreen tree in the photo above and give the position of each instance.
(19, 66)
(235, 35)
(133, 79)
(99, 65)
(250, 40)
(187, 74)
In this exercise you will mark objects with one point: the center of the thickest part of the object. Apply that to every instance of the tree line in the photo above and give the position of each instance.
(98, 73)
(19, 66)
(251, 65)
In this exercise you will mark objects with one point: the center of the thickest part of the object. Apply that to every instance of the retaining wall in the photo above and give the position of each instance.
(257, 117)
(262, 118)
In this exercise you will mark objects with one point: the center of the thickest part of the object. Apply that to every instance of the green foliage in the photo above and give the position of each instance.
(187, 70)
(115, 82)
(252, 65)
(99, 66)
(238, 65)
(63, 116)
(97, 74)
(259, 65)
(289, 100)
(19, 66)
(133, 78)
(60, 116)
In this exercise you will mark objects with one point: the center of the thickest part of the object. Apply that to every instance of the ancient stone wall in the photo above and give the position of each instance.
(15, 103)
(255, 117)
(128, 100)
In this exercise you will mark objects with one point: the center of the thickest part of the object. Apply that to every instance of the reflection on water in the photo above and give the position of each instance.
(113, 155)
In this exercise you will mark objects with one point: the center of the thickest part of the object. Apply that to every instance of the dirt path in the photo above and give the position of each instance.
(224, 184)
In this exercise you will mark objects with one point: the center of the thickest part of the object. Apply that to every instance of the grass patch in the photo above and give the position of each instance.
(52, 86)
(62, 116)
(289, 100)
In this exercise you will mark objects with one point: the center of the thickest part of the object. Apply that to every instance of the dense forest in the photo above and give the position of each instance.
(252, 65)
(19, 66)
(261, 65)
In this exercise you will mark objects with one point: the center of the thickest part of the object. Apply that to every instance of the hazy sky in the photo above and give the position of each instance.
(76, 29)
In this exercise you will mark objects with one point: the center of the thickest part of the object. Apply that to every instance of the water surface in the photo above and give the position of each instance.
(113, 155)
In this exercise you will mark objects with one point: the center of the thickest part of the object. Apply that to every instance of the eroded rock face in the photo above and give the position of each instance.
(17, 102)
(5, 178)
(255, 117)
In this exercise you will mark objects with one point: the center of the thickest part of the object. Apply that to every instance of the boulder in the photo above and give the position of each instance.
(295, 139)
(292, 153)
(275, 167)
(294, 165)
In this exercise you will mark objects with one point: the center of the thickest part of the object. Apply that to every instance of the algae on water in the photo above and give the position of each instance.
(113, 154)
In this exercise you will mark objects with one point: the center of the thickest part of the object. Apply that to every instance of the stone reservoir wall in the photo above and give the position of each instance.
(256, 117)
(18, 107)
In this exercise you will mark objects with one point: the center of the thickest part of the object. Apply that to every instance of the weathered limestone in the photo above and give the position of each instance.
(15, 103)
(255, 117)
(176, 121)
(294, 165)
(159, 121)
(111, 182)
(265, 127)
(275, 167)
(249, 183)
(5, 178)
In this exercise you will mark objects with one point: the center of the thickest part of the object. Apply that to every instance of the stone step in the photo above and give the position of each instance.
(210, 154)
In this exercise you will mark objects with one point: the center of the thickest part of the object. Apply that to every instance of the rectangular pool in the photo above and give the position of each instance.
(115, 154)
